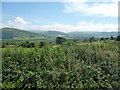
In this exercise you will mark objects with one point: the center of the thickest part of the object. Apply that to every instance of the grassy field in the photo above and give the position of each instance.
(70, 65)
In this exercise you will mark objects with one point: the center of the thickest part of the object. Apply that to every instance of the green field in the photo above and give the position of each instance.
(70, 65)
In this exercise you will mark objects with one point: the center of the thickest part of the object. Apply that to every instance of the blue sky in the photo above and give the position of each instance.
(57, 15)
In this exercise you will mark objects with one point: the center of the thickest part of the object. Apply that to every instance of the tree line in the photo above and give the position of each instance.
(59, 40)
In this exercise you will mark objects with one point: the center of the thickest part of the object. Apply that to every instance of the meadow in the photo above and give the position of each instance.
(68, 65)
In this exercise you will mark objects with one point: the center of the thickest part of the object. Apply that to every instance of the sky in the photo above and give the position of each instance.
(61, 16)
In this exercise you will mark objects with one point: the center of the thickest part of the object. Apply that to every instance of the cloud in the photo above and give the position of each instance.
(86, 7)
(89, 26)
(20, 23)
(17, 23)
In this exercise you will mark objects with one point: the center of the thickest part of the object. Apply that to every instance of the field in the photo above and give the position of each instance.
(69, 65)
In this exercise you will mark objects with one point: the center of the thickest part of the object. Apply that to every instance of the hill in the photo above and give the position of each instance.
(17, 34)
(52, 34)
(78, 35)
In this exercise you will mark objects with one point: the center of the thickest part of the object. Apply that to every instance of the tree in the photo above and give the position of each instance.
(106, 38)
(92, 39)
(3, 44)
(25, 44)
(112, 38)
(41, 44)
(32, 44)
(118, 38)
(60, 40)
(102, 39)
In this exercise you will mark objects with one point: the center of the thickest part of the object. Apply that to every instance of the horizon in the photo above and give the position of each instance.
(34, 31)
(61, 16)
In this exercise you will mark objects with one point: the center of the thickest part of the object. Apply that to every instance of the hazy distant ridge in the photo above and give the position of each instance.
(17, 34)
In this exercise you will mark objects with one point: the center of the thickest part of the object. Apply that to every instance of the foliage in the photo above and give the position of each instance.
(118, 38)
(70, 65)
(92, 39)
(60, 40)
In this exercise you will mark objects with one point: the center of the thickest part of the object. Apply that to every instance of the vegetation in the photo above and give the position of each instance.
(22, 35)
(71, 64)
(16, 34)
(52, 34)
(83, 35)
(60, 40)
(118, 38)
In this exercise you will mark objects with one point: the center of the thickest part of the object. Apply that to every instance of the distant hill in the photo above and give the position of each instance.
(52, 34)
(17, 34)
(78, 35)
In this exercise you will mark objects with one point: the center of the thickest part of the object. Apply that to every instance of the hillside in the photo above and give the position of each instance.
(16, 34)
(52, 34)
(78, 35)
